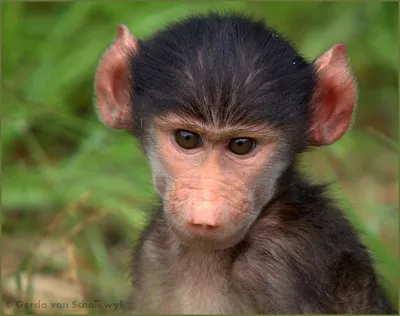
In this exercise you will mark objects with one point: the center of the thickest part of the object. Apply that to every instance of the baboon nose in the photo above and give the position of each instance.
(203, 220)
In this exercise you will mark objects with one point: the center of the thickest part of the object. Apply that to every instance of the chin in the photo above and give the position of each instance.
(207, 242)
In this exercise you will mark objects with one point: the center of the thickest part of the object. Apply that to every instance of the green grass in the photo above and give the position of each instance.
(69, 179)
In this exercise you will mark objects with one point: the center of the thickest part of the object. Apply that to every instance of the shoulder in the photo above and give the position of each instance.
(308, 222)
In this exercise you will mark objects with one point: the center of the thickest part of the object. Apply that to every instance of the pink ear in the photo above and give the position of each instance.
(334, 99)
(113, 81)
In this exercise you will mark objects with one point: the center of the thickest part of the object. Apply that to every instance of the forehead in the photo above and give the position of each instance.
(223, 70)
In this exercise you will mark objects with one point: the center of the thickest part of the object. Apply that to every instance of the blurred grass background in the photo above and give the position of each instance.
(75, 193)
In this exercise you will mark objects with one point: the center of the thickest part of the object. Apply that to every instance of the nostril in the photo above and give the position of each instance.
(206, 226)
(211, 226)
(203, 221)
(203, 226)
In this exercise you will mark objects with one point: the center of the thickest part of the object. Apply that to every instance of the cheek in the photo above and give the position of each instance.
(266, 183)
(160, 182)
(160, 175)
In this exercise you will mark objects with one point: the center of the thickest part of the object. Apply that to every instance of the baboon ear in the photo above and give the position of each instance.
(112, 82)
(334, 99)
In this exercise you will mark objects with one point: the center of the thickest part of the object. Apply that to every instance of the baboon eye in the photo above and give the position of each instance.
(187, 139)
(242, 146)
